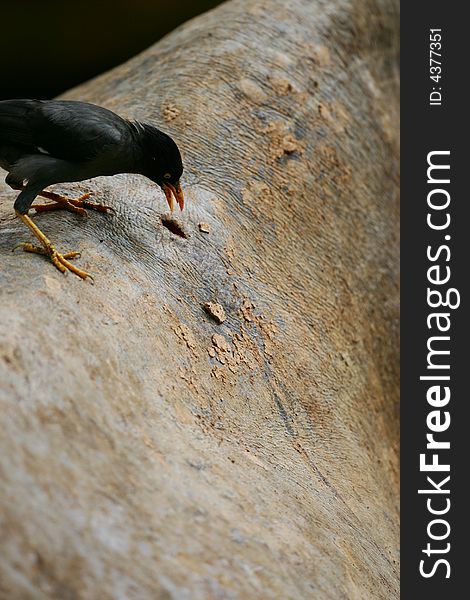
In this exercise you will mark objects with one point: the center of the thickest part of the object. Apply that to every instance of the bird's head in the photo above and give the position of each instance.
(162, 162)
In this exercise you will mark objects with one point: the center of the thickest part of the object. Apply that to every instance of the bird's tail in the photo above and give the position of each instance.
(14, 127)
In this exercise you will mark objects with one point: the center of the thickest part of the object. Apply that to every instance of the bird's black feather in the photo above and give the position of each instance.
(46, 142)
(67, 130)
(43, 142)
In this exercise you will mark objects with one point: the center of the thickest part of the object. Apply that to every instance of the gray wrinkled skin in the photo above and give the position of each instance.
(148, 451)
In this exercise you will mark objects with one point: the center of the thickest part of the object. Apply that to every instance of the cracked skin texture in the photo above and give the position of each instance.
(149, 452)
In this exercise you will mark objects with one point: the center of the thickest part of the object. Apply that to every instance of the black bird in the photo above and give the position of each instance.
(43, 142)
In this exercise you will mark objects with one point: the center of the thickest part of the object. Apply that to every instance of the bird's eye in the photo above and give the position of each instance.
(167, 175)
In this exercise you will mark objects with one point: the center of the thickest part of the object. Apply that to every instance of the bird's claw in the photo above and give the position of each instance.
(60, 261)
(69, 205)
(76, 205)
(103, 208)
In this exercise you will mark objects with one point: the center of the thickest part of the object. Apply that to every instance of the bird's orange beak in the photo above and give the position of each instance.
(176, 191)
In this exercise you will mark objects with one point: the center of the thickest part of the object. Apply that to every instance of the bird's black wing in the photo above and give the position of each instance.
(64, 129)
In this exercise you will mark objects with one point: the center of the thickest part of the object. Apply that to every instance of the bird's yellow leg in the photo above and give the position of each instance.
(59, 260)
(78, 205)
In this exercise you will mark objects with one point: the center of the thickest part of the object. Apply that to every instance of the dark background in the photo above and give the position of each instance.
(423, 130)
(47, 47)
